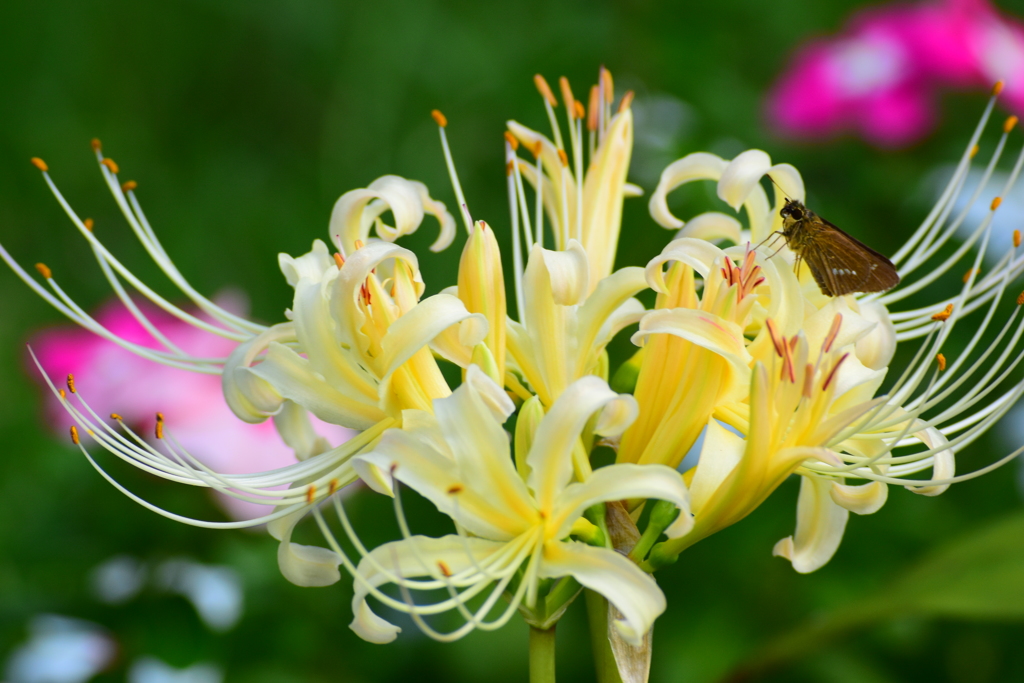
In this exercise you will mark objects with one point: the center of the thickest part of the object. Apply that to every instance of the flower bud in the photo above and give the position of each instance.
(482, 288)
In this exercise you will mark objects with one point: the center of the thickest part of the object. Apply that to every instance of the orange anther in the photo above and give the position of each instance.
(974, 151)
(88, 223)
(439, 118)
(1020, 299)
(545, 90)
(129, 186)
(627, 100)
(593, 107)
(1016, 238)
(969, 273)
(512, 141)
(833, 332)
(563, 157)
(96, 144)
(510, 168)
(359, 244)
(608, 85)
(74, 435)
(339, 260)
(997, 88)
(538, 147)
(941, 360)
(772, 332)
(40, 164)
(944, 313)
(63, 396)
(332, 486)
(159, 425)
(44, 271)
(1009, 124)
(311, 494)
(115, 416)
(454, 488)
(995, 203)
(563, 85)
(444, 568)
(579, 110)
(71, 383)
(808, 380)
(111, 164)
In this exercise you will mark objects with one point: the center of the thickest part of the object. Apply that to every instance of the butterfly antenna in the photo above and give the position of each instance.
(784, 193)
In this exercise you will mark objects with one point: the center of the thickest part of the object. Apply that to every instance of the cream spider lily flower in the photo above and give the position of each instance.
(354, 352)
(796, 373)
(514, 519)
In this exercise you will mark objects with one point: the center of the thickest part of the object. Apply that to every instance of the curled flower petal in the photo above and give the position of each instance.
(712, 225)
(742, 175)
(696, 166)
(865, 499)
(819, 527)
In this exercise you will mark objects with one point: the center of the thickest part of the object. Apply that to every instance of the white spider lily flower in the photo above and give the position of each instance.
(814, 364)
(514, 525)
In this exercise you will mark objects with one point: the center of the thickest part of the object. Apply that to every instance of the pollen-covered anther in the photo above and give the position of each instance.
(444, 568)
(63, 394)
(995, 203)
(941, 360)
(537, 148)
(71, 383)
(159, 430)
(339, 260)
(44, 271)
(563, 157)
(112, 165)
(116, 416)
(1020, 299)
(971, 272)
(608, 85)
(545, 90)
(997, 88)
(808, 380)
(1010, 123)
(833, 332)
(454, 488)
(512, 141)
(439, 118)
(832, 373)
(88, 223)
(974, 151)
(96, 144)
(332, 487)
(627, 100)
(567, 96)
(580, 110)
(1016, 238)
(944, 313)
(129, 186)
(510, 168)
(593, 108)
(74, 435)
(788, 371)
(311, 493)
(359, 244)
(40, 164)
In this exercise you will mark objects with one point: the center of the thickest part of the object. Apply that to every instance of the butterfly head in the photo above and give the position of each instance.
(794, 210)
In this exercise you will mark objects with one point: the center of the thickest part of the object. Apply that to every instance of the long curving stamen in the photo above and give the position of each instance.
(442, 123)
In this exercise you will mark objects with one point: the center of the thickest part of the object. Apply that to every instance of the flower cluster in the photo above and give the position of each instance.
(881, 77)
(742, 361)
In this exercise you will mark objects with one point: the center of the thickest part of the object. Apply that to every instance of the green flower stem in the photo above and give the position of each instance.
(604, 661)
(542, 655)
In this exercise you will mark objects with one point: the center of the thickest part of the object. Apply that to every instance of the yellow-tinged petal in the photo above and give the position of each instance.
(819, 527)
(863, 499)
(603, 193)
(696, 166)
(482, 288)
(719, 455)
(712, 226)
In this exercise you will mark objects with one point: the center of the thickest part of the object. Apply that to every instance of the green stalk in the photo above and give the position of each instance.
(542, 655)
(604, 661)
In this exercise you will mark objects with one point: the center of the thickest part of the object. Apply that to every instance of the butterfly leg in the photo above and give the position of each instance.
(774, 236)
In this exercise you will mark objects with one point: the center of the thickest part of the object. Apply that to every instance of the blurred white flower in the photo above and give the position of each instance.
(60, 650)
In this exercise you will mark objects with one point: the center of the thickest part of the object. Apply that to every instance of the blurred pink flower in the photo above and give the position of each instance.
(880, 78)
(116, 380)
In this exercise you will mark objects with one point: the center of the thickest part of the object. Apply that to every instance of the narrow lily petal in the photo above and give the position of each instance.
(865, 499)
(610, 293)
(411, 557)
(712, 226)
(740, 177)
(421, 325)
(308, 565)
(250, 398)
(633, 592)
(292, 423)
(876, 349)
(603, 192)
(721, 452)
(944, 464)
(819, 527)
(708, 331)
(623, 482)
(310, 266)
(697, 166)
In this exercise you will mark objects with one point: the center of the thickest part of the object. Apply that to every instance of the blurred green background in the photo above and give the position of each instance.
(243, 122)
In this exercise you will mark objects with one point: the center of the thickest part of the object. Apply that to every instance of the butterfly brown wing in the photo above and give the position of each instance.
(842, 265)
